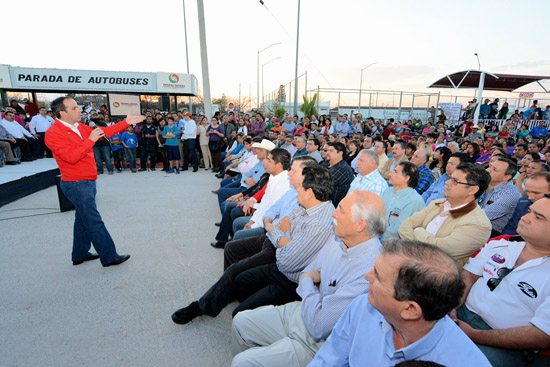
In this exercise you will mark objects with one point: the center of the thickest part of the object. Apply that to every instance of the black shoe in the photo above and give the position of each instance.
(220, 175)
(91, 257)
(218, 244)
(11, 163)
(153, 169)
(186, 314)
(216, 169)
(142, 169)
(118, 260)
(217, 224)
(195, 170)
(26, 160)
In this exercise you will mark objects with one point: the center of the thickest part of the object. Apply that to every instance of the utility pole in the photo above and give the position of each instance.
(204, 61)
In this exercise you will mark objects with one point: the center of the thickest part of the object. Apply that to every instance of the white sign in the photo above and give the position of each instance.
(5, 80)
(452, 110)
(175, 83)
(121, 104)
(96, 80)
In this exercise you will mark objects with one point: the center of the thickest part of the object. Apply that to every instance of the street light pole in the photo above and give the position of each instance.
(258, 72)
(263, 106)
(186, 54)
(361, 85)
(296, 69)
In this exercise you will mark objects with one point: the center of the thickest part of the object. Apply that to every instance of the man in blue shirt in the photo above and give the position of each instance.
(539, 132)
(403, 317)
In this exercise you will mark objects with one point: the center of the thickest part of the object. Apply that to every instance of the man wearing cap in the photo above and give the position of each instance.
(249, 178)
(486, 151)
(475, 134)
(189, 136)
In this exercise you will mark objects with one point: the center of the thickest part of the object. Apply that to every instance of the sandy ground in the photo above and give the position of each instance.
(57, 314)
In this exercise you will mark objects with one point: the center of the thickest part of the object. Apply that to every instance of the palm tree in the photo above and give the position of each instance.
(308, 108)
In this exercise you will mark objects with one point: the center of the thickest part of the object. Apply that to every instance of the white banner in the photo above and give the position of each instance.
(175, 83)
(452, 110)
(65, 80)
(5, 80)
(121, 104)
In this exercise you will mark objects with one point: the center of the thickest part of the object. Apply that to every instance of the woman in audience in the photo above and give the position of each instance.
(242, 128)
(439, 162)
(354, 149)
(492, 133)
(473, 151)
(215, 134)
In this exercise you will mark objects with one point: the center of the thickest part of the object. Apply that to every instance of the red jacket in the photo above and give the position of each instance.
(75, 155)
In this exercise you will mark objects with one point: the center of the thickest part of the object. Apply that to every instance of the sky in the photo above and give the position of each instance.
(413, 43)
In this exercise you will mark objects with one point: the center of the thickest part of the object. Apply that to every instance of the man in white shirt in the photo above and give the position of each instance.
(30, 146)
(38, 126)
(506, 302)
(188, 137)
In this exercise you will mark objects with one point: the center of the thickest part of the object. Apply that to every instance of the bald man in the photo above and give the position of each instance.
(291, 334)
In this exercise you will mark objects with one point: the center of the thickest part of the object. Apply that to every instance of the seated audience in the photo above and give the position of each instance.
(455, 224)
(501, 197)
(398, 155)
(368, 178)
(401, 200)
(435, 191)
(536, 187)
(327, 286)
(425, 174)
(506, 301)
(295, 240)
(403, 317)
(341, 172)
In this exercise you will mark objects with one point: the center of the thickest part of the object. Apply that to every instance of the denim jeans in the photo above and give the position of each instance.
(500, 357)
(103, 154)
(131, 156)
(88, 226)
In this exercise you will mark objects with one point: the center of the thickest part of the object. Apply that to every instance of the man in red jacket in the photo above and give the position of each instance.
(72, 146)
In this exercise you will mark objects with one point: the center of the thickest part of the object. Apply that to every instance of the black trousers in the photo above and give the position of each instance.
(239, 256)
(148, 150)
(264, 285)
(43, 147)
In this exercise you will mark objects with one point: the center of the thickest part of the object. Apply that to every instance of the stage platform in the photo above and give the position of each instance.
(26, 178)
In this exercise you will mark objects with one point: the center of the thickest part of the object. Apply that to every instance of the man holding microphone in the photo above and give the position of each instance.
(72, 145)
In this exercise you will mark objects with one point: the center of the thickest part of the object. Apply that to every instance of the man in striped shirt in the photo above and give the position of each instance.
(368, 178)
(292, 244)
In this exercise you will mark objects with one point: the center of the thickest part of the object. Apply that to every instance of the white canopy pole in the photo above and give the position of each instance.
(479, 96)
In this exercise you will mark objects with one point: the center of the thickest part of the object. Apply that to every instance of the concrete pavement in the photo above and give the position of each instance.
(57, 314)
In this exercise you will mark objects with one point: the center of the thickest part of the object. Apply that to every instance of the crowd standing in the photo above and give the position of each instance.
(462, 276)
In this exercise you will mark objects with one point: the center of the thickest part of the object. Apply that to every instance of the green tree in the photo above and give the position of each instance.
(308, 108)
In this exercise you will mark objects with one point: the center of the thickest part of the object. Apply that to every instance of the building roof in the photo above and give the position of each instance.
(469, 79)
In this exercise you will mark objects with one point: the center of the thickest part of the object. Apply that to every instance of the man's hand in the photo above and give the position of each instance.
(269, 227)
(250, 181)
(466, 328)
(248, 225)
(284, 225)
(315, 275)
(13, 140)
(248, 205)
(236, 197)
(132, 120)
(96, 134)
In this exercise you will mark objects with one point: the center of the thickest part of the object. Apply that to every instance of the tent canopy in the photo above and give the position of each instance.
(469, 79)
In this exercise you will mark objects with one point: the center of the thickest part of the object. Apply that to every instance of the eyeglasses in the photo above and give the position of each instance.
(456, 182)
(492, 283)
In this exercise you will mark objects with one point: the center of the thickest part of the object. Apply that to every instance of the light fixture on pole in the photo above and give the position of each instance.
(478, 63)
(258, 72)
(361, 85)
(277, 58)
